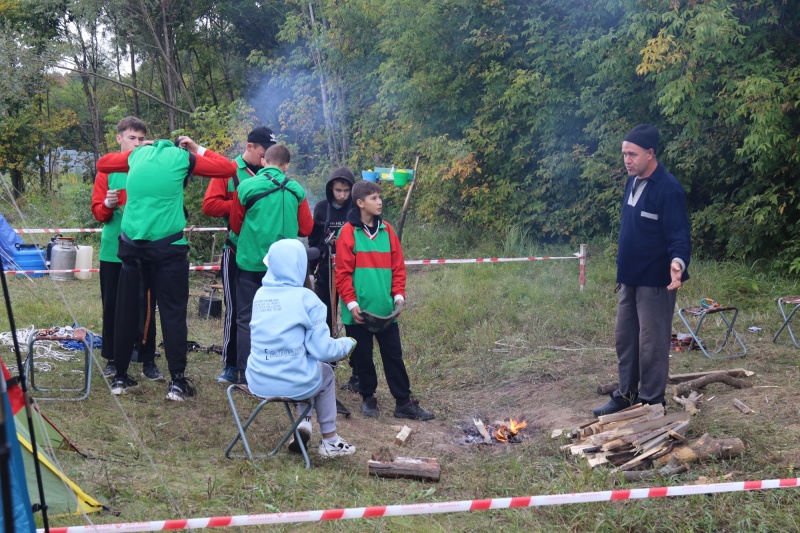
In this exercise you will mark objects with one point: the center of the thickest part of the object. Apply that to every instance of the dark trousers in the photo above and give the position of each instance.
(392, 356)
(643, 333)
(166, 269)
(247, 284)
(229, 330)
(145, 343)
(322, 288)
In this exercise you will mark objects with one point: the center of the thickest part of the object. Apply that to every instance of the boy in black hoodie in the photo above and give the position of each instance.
(329, 216)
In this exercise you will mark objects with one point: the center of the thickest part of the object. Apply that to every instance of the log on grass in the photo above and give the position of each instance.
(424, 468)
(608, 388)
(684, 389)
(690, 403)
(401, 437)
(704, 448)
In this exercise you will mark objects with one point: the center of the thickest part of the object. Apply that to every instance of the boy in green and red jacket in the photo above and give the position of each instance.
(371, 276)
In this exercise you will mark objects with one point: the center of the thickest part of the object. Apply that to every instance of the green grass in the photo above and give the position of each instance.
(488, 340)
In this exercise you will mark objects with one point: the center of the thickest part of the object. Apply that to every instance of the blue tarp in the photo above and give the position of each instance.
(8, 238)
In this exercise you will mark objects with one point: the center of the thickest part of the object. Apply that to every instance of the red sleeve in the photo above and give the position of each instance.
(114, 162)
(305, 221)
(99, 210)
(218, 201)
(212, 165)
(398, 264)
(345, 264)
(237, 214)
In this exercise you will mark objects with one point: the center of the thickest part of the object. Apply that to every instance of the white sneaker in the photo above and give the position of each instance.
(340, 447)
(304, 428)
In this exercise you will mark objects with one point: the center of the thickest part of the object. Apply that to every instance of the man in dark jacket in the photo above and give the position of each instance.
(654, 248)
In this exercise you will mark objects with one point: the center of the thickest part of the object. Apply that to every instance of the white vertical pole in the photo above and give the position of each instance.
(582, 258)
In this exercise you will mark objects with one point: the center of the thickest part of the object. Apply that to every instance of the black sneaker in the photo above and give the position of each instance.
(121, 384)
(413, 411)
(110, 370)
(151, 372)
(179, 389)
(369, 407)
(616, 403)
(341, 409)
(351, 385)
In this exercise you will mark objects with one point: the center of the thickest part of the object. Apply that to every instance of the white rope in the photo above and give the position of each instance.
(44, 349)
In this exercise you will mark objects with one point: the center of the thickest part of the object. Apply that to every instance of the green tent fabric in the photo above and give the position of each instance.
(61, 494)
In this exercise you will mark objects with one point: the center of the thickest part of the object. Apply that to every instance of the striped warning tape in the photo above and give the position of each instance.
(431, 508)
(92, 230)
(411, 262)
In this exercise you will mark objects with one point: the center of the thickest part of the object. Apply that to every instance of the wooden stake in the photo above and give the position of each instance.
(482, 429)
(742, 407)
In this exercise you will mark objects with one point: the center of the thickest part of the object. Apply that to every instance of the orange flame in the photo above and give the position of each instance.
(506, 432)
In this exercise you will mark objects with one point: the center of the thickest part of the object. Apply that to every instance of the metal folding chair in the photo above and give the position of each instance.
(782, 301)
(81, 335)
(701, 313)
(242, 427)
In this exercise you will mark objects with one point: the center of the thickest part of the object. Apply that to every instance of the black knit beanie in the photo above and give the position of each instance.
(643, 135)
(263, 136)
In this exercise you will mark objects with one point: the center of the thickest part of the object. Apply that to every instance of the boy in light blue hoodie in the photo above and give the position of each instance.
(289, 342)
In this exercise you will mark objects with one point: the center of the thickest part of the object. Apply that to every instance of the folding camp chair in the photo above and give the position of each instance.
(242, 427)
(787, 300)
(701, 313)
(82, 335)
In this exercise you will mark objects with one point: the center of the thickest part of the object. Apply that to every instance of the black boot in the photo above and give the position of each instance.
(617, 403)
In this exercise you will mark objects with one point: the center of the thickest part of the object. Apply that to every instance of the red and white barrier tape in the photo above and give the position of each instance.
(485, 260)
(431, 508)
(412, 262)
(92, 230)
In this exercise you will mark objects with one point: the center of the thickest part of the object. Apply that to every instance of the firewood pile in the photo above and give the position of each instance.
(643, 435)
(627, 438)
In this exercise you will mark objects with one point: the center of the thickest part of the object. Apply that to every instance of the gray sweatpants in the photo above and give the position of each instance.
(325, 401)
(643, 333)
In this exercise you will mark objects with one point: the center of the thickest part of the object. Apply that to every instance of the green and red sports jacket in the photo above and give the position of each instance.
(283, 214)
(219, 196)
(370, 271)
(110, 216)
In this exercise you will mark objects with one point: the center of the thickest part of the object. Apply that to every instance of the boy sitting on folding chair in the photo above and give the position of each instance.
(289, 342)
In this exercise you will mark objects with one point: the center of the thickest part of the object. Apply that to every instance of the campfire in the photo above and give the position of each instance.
(501, 431)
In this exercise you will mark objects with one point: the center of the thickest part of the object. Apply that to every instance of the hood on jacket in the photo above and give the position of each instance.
(341, 173)
(286, 262)
(354, 217)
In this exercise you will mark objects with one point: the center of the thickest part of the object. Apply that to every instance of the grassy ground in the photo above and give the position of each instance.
(491, 340)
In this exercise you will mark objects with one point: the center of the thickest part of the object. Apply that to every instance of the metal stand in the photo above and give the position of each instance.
(242, 427)
(790, 300)
(87, 339)
(701, 313)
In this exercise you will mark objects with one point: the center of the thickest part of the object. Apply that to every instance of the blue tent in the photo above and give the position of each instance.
(8, 238)
(21, 503)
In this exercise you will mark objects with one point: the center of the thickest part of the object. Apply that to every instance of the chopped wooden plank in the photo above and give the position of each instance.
(423, 468)
(742, 407)
(631, 412)
(401, 437)
(638, 427)
(556, 433)
(639, 458)
(597, 459)
(482, 429)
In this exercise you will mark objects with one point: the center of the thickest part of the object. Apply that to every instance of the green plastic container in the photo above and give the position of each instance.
(401, 177)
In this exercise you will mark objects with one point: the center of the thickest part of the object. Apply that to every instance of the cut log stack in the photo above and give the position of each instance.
(629, 437)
